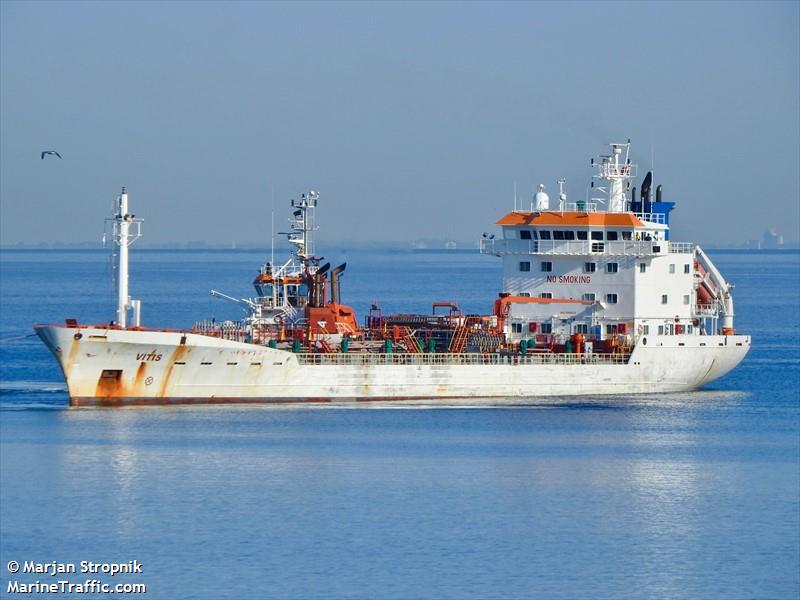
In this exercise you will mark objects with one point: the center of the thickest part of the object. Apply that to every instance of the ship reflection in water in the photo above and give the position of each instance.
(644, 496)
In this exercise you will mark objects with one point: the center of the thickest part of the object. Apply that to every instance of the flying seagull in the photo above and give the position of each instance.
(46, 152)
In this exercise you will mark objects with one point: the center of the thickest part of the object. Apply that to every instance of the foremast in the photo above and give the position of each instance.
(125, 230)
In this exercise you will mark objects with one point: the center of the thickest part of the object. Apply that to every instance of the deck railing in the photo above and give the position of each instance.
(681, 247)
(445, 359)
(706, 310)
(559, 247)
(226, 330)
(651, 217)
(581, 207)
(607, 248)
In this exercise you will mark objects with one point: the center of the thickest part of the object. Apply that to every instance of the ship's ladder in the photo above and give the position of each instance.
(459, 340)
(345, 328)
(325, 346)
(288, 314)
(412, 345)
(458, 343)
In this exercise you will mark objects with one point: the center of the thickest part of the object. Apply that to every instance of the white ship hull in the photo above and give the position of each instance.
(113, 367)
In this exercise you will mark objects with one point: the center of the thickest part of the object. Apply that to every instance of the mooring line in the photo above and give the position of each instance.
(14, 339)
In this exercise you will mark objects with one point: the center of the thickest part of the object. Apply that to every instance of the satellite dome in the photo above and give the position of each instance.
(541, 199)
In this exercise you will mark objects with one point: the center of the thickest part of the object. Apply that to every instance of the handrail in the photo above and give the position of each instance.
(651, 217)
(607, 248)
(681, 247)
(472, 358)
(581, 207)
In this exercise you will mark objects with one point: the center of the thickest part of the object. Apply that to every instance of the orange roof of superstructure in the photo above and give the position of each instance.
(586, 219)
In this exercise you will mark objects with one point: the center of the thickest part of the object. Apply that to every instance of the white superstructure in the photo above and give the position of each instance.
(596, 299)
(611, 272)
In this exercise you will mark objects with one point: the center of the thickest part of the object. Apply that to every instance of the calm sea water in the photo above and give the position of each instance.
(666, 496)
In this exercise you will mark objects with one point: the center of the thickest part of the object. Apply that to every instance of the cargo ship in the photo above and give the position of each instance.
(596, 299)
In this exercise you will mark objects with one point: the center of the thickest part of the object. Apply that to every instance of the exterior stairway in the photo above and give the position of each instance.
(412, 345)
(459, 341)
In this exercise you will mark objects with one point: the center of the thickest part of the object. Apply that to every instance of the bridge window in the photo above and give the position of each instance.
(589, 297)
(597, 235)
(612, 267)
(589, 267)
(525, 266)
(583, 235)
(664, 298)
(547, 266)
(525, 234)
(611, 298)
(626, 235)
(558, 235)
(569, 235)
(612, 236)
(544, 235)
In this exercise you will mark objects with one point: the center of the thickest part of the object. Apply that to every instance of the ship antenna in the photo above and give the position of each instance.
(302, 227)
(562, 197)
(272, 230)
(515, 196)
(614, 172)
(652, 159)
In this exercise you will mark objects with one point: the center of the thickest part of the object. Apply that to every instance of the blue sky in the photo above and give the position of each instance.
(412, 119)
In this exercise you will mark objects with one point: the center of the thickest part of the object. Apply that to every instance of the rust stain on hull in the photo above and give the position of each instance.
(139, 379)
(109, 387)
(114, 387)
(113, 391)
(178, 354)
